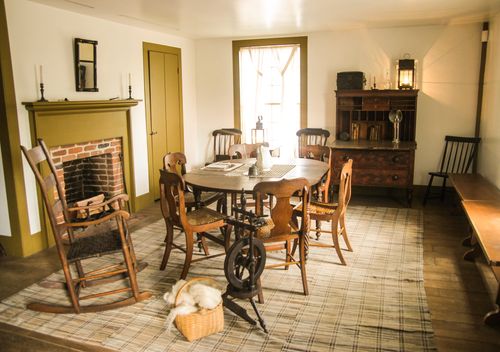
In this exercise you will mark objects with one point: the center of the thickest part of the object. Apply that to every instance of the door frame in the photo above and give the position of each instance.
(146, 47)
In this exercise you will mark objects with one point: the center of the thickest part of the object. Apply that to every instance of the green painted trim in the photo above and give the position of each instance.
(143, 201)
(18, 243)
(237, 44)
(38, 242)
(146, 48)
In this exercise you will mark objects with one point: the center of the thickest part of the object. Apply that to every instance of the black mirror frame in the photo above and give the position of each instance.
(78, 86)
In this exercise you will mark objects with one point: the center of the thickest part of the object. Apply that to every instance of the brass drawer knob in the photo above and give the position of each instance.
(395, 177)
(396, 159)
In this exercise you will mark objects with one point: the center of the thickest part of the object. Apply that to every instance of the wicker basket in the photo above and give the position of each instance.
(201, 323)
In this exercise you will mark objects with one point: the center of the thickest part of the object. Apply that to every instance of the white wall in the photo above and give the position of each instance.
(214, 84)
(4, 209)
(42, 35)
(489, 152)
(448, 66)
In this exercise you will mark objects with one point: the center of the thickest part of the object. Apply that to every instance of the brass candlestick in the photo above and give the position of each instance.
(130, 92)
(42, 99)
(395, 116)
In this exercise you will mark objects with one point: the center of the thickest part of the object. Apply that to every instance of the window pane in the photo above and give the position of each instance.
(270, 87)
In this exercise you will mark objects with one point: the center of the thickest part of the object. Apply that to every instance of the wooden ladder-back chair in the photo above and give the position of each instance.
(173, 208)
(279, 234)
(176, 162)
(223, 139)
(311, 136)
(333, 213)
(79, 240)
(458, 157)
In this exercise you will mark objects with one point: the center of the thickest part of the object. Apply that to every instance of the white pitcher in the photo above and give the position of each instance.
(264, 160)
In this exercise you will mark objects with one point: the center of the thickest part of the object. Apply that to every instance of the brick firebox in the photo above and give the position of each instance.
(90, 168)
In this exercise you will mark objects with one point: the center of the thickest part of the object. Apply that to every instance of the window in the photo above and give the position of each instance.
(270, 81)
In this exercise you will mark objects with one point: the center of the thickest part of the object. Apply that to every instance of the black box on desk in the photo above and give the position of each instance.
(350, 80)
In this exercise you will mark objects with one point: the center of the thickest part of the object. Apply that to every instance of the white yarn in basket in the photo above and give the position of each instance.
(197, 296)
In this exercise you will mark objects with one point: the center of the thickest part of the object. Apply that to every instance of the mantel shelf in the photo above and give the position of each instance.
(80, 105)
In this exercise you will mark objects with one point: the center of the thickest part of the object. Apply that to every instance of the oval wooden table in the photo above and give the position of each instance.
(235, 181)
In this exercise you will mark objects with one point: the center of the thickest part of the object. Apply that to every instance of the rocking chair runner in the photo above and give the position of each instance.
(90, 241)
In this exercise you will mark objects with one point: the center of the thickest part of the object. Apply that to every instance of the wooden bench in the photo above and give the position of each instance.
(481, 203)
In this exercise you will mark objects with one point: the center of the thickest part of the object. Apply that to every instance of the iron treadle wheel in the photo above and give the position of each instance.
(238, 263)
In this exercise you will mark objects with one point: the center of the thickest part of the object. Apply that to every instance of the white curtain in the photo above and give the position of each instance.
(270, 87)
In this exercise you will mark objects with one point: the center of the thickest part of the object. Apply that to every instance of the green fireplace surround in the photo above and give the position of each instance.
(71, 122)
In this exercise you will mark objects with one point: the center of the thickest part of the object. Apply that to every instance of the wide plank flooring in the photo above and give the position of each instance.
(459, 293)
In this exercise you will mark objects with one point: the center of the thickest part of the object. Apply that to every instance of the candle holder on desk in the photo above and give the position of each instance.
(42, 99)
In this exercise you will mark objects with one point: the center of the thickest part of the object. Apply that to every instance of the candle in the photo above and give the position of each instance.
(41, 74)
(129, 79)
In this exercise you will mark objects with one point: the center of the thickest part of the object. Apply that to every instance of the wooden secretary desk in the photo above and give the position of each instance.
(364, 134)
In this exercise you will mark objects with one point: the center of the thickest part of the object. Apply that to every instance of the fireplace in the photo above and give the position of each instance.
(81, 129)
(89, 169)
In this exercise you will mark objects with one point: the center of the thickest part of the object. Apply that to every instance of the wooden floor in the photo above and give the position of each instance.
(459, 293)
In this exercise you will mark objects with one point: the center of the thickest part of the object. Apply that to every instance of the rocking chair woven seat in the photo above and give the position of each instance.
(94, 246)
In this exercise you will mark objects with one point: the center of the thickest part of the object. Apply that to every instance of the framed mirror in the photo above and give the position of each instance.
(86, 65)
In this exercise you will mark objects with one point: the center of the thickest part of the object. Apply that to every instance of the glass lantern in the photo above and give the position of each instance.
(406, 72)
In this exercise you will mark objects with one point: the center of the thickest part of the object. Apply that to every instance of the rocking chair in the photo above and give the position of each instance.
(80, 239)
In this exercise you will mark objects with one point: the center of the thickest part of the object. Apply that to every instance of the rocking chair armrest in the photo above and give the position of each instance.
(118, 213)
(121, 197)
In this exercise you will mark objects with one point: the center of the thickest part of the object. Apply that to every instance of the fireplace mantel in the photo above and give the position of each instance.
(72, 122)
(80, 104)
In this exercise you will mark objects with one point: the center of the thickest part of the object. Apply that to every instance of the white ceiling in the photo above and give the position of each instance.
(243, 18)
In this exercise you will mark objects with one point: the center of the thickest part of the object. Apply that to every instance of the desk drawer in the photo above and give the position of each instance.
(372, 159)
(375, 177)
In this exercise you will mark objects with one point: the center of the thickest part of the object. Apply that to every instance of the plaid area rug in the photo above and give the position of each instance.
(375, 303)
